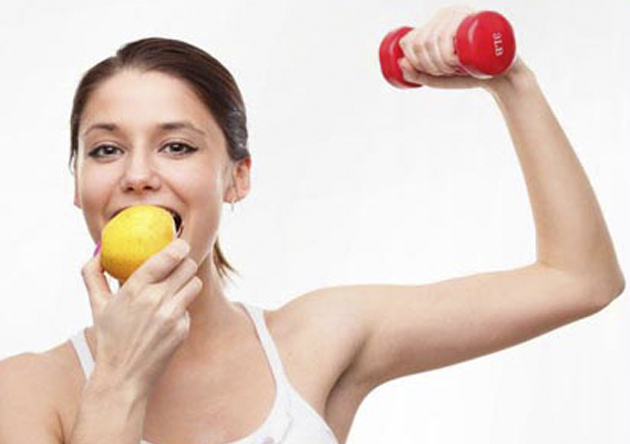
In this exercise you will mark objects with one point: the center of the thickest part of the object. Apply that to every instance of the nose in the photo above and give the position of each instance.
(140, 174)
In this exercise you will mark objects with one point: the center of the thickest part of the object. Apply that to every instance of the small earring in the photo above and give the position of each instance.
(233, 200)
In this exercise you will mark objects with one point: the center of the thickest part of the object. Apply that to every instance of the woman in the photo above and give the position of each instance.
(170, 359)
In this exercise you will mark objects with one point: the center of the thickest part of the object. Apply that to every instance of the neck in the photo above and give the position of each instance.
(214, 324)
(213, 320)
(213, 317)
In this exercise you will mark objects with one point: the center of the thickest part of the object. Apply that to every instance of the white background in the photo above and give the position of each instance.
(353, 182)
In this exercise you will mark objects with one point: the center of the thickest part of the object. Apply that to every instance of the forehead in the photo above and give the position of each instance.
(135, 99)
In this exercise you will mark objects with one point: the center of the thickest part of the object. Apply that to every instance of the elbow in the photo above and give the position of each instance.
(618, 284)
(605, 290)
(622, 285)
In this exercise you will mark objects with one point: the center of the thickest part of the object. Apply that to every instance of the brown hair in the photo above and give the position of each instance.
(212, 82)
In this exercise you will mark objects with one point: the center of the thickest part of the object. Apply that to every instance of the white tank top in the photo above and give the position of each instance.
(292, 420)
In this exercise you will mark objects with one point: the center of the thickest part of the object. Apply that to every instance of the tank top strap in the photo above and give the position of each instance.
(256, 314)
(273, 356)
(281, 418)
(83, 352)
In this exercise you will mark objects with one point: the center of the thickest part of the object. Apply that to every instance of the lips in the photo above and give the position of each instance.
(177, 218)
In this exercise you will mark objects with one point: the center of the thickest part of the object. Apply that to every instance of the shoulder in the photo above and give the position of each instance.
(329, 323)
(32, 382)
(330, 307)
(55, 373)
(32, 370)
(50, 371)
(332, 329)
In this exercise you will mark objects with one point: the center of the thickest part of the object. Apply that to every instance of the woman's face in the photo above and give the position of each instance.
(145, 138)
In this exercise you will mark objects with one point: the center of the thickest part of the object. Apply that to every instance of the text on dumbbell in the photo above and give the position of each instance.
(498, 44)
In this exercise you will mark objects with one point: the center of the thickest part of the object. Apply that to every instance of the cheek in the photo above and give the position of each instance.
(205, 197)
(93, 189)
(204, 187)
(93, 193)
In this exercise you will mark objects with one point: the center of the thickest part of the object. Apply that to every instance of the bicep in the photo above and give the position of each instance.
(411, 329)
(27, 414)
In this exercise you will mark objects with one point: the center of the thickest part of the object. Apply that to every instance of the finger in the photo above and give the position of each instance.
(459, 14)
(406, 45)
(413, 76)
(408, 71)
(425, 44)
(96, 283)
(184, 297)
(434, 56)
(447, 44)
(421, 52)
(181, 275)
(418, 77)
(158, 267)
(439, 37)
(432, 45)
(444, 50)
(185, 328)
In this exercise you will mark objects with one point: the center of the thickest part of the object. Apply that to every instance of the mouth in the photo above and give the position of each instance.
(179, 224)
(177, 219)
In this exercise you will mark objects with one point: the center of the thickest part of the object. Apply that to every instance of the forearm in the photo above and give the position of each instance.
(108, 414)
(571, 233)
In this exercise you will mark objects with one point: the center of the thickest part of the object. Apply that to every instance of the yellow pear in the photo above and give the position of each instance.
(133, 236)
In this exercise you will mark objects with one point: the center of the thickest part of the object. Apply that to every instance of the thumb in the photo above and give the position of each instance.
(457, 81)
(95, 282)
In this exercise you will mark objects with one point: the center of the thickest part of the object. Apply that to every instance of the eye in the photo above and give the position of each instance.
(106, 150)
(95, 152)
(181, 147)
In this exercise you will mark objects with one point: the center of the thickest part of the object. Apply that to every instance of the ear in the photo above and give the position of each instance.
(77, 201)
(240, 180)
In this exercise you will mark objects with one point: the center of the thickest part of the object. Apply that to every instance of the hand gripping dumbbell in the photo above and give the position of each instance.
(484, 44)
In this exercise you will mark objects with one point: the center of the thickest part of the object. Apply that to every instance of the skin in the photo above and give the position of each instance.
(430, 58)
(575, 274)
(395, 330)
(144, 168)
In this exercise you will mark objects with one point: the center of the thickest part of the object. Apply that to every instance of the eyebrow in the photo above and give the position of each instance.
(167, 126)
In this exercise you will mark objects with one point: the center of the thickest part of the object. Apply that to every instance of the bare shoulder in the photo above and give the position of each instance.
(30, 382)
(39, 372)
(331, 325)
(317, 305)
(328, 314)
(332, 328)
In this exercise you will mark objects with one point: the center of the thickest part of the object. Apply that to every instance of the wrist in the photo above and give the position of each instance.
(518, 79)
(108, 385)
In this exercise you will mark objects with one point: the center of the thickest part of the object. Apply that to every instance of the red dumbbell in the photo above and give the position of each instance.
(484, 44)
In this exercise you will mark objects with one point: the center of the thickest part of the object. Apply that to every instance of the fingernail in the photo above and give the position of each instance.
(98, 248)
(181, 247)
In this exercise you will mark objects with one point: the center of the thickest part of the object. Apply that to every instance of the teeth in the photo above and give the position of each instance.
(179, 226)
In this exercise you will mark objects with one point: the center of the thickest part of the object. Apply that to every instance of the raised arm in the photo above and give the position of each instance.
(399, 330)
(571, 233)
